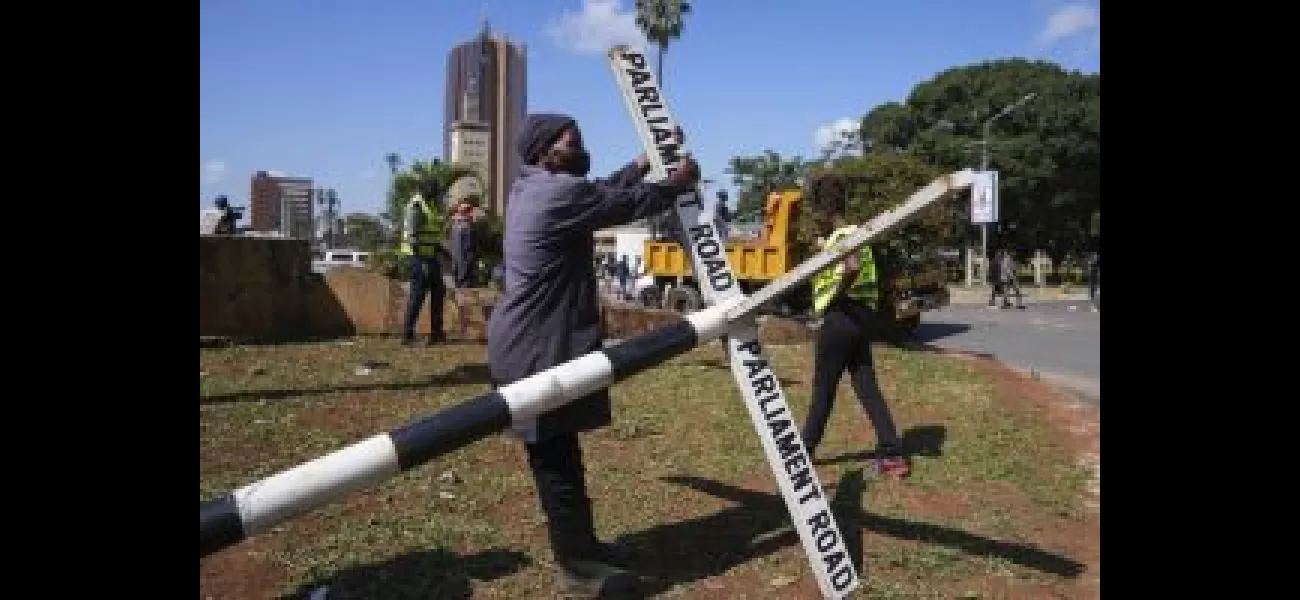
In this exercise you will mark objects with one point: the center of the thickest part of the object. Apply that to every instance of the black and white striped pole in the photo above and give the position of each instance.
(260, 506)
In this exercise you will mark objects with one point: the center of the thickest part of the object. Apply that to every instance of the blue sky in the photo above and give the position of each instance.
(325, 88)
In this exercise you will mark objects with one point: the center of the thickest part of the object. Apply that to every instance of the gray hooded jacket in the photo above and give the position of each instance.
(549, 311)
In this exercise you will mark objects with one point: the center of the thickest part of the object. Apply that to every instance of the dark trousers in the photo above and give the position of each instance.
(1094, 285)
(464, 270)
(426, 278)
(560, 477)
(844, 344)
(1004, 287)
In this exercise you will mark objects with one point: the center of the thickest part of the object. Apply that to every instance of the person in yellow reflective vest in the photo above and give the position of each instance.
(846, 296)
(419, 243)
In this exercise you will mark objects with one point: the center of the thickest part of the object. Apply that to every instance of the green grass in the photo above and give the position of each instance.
(680, 476)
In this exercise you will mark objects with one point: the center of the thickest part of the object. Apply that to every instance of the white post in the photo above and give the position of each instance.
(1038, 268)
(970, 266)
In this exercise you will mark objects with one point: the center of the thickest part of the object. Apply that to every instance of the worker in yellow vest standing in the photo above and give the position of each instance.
(846, 296)
(419, 243)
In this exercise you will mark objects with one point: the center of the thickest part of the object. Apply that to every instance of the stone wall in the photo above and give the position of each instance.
(256, 288)
(263, 289)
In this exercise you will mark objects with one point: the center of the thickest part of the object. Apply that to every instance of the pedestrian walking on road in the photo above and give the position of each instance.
(624, 272)
(1094, 281)
(1005, 280)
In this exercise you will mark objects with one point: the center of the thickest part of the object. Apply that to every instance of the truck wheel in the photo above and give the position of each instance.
(683, 300)
(909, 325)
(650, 297)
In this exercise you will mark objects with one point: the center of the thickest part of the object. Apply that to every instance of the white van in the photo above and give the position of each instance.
(322, 262)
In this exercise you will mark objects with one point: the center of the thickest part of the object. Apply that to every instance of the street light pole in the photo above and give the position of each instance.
(984, 227)
(984, 166)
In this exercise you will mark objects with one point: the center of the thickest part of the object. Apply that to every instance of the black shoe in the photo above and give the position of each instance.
(436, 339)
(591, 579)
(408, 340)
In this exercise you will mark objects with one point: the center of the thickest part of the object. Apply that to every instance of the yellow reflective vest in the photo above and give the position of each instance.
(865, 288)
(425, 235)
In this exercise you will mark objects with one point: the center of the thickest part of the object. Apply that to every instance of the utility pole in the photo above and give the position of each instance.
(984, 166)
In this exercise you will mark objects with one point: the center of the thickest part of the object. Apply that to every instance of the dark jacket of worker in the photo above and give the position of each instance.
(549, 311)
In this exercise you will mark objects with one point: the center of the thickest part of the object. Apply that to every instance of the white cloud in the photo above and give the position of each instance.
(1069, 21)
(212, 171)
(833, 131)
(599, 26)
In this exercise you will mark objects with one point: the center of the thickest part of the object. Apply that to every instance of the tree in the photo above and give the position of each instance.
(364, 231)
(1047, 151)
(757, 176)
(889, 127)
(431, 178)
(661, 22)
(872, 184)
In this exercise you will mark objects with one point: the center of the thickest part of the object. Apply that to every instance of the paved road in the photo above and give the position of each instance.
(1061, 345)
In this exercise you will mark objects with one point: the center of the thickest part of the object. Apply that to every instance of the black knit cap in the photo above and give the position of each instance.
(538, 132)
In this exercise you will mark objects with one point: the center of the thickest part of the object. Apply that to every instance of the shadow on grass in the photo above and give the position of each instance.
(929, 332)
(921, 440)
(458, 375)
(429, 574)
(723, 365)
(676, 553)
(919, 346)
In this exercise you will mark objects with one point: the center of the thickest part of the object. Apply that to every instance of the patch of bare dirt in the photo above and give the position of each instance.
(241, 572)
(347, 415)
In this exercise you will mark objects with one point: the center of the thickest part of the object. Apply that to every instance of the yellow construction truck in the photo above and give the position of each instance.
(913, 285)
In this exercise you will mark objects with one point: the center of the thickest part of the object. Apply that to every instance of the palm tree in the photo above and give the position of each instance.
(661, 22)
(424, 176)
(757, 176)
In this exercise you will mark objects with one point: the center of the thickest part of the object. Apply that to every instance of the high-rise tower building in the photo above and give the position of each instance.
(486, 103)
(282, 204)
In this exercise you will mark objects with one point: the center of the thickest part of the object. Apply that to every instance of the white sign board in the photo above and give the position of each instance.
(984, 197)
(774, 423)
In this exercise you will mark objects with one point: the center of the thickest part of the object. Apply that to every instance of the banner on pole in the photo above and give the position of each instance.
(984, 197)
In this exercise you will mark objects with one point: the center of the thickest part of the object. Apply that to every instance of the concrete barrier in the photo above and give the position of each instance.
(980, 294)
(260, 289)
(257, 288)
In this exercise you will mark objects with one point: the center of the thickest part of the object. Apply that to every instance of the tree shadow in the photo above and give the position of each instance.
(915, 346)
(437, 573)
(458, 375)
(921, 440)
(929, 332)
(675, 553)
(723, 365)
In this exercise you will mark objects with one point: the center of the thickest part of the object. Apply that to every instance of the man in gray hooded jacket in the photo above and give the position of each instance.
(549, 313)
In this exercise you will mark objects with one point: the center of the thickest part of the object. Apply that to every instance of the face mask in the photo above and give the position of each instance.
(578, 163)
